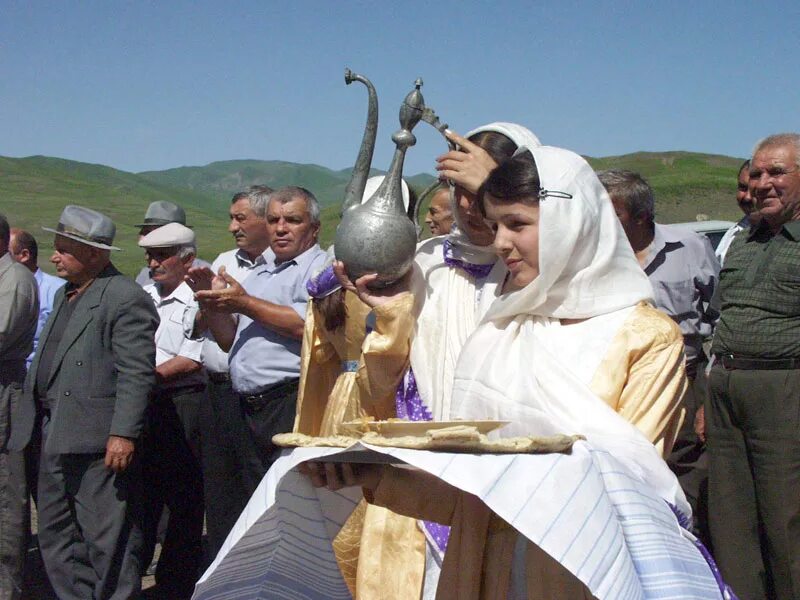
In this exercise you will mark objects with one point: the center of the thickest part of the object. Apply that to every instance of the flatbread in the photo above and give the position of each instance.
(459, 438)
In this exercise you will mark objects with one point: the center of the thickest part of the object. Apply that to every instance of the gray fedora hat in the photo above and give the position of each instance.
(86, 226)
(162, 212)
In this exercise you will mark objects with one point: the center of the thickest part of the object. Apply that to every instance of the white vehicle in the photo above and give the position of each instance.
(713, 230)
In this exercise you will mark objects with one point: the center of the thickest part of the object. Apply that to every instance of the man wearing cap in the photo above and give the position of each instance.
(92, 377)
(222, 425)
(19, 306)
(160, 213)
(261, 323)
(171, 447)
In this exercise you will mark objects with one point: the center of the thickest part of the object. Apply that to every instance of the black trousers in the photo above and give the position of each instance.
(90, 532)
(274, 413)
(222, 428)
(753, 441)
(173, 478)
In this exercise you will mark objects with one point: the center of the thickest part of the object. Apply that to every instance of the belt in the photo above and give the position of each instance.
(223, 377)
(168, 393)
(730, 362)
(259, 399)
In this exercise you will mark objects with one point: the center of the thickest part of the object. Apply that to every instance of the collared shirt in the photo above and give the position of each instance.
(18, 309)
(684, 272)
(48, 286)
(170, 341)
(239, 266)
(260, 356)
(725, 240)
(760, 295)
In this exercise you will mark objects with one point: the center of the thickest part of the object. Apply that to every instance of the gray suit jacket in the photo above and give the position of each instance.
(104, 365)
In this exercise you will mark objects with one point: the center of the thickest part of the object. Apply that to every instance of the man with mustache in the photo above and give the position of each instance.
(221, 423)
(261, 321)
(171, 448)
(753, 409)
(744, 199)
(160, 213)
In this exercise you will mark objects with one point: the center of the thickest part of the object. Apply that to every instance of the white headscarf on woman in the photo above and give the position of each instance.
(447, 299)
(510, 368)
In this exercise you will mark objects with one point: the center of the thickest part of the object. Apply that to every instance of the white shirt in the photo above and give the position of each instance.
(170, 341)
(727, 239)
(238, 265)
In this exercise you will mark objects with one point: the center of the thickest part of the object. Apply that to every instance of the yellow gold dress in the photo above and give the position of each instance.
(641, 377)
(347, 374)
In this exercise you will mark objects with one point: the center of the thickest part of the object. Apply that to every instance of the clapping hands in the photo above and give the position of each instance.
(216, 293)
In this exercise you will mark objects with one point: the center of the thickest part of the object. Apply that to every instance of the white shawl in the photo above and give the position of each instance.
(510, 369)
(446, 298)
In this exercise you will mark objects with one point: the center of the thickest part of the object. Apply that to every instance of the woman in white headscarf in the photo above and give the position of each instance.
(452, 274)
(570, 345)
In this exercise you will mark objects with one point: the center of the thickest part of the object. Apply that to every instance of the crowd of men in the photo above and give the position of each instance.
(131, 411)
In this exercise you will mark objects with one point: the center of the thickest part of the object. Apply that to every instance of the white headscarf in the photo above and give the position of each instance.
(462, 247)
(510, 369)
(447, 297)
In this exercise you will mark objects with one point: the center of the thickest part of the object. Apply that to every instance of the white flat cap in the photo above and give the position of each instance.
(171, 234)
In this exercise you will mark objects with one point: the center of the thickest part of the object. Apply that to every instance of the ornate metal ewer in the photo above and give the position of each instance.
(378, 236)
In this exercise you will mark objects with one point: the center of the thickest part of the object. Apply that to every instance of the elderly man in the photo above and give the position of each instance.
(744, 199)
(260, 322)
(18, 312)
(158, 214)
(171, 450)
(684, 272)
(92, 377)
(754, 388)
(25, 251)
(440, 213)
(222, 424)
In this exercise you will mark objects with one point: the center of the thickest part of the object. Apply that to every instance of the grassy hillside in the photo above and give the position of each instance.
(34, 190)
(686, 184)
(225, 178)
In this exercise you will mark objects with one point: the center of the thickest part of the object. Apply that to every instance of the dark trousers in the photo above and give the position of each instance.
(753, 441)
(14, 508)
(90, 531)
(273, 413)
(223, 465)
(688, 459)
(173, 478)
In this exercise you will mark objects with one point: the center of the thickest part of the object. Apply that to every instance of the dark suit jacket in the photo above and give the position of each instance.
(104, 368)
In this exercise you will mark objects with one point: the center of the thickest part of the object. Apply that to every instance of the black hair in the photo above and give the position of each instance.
(497, 145)
(5, 231)
(516, 179)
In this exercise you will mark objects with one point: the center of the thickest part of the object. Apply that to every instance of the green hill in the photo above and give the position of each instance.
(225, 178)
(34, 190)
(685, 183)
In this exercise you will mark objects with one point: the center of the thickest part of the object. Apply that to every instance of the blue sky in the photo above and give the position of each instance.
(153, 85)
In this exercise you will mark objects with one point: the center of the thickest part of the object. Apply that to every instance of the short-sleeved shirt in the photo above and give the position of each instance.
(760, 295)
(239, 266)
(726, 240)
(48, 286)
(170, 341)
(684, 272)
(261, 357)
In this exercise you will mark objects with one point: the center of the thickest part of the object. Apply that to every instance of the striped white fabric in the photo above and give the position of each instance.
(584, 509)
